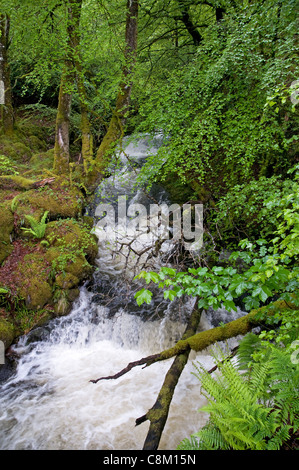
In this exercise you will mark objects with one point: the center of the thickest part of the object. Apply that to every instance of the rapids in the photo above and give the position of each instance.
(49, 403)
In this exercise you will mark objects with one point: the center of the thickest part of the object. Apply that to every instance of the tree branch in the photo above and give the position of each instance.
(158, 414)
(200, 341)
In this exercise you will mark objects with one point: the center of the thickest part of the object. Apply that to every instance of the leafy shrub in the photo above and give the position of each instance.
(253, 209)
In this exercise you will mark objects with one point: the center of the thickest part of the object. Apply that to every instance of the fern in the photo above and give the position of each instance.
(253, 410)
(37, 229)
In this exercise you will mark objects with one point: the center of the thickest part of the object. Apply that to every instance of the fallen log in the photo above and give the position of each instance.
(158, 414)
(197, 342)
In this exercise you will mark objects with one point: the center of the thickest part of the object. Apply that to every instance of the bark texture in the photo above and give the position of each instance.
(158, 414)
(62, 139)
(86, 133)
(6, 107)
(118, 120)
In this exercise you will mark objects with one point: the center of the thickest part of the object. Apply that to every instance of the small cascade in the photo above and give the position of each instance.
(49, 403)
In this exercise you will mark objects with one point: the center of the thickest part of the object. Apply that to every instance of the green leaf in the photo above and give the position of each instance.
(241, 288)
(218, 269)
(3, 290)
(169, 271)
(144, 295)
(265, 293)
(151, 276)
(229, 305)
(169, 294)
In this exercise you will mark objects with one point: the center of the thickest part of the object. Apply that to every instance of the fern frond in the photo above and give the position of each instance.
(38, 228)
(189, 444)
(246, 348)
(210, 438)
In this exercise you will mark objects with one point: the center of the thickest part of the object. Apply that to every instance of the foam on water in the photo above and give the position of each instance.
(50, 403)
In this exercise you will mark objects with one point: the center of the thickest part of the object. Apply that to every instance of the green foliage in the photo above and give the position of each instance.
(253, 208)
(7, 167)
(255, 410)
(38, 228)
(73, 244)
(288, 229)
(213, 109)
(260, 271)
(264, 276)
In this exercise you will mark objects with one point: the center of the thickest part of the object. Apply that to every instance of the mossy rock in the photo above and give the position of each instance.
(72, 294)
(36, 144)
(34, 273)
(72, 234)
(37, 294)
(21, 152)
(78, 267)
(59, 201)
(42, 160)
(66, 281)
(6, 227)
(68, 262)
(25, 129)
(62, 306)
(52, 254)
(88, 221)
(7, 332)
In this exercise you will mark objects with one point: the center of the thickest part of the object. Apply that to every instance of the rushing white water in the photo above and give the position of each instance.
(50, 403)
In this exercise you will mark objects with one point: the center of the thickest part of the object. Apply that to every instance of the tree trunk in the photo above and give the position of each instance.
(191, 28)
(117, 123)
(196, 342)
(86, 134)
(204, 339)
(7, 115)
(62, 144)
(158, 414)
(62, 138)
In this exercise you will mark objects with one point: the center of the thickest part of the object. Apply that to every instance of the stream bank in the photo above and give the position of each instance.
(47, 249)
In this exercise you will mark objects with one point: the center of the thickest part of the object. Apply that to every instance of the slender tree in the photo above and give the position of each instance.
(7, 115)
(75, 40)
(62, 140)
(118, 120)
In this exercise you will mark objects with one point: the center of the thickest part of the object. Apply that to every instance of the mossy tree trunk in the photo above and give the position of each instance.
(62, 143)
(191, 340)
(158, 414)
(86, 133)
(7, 115)
(118, 119)
(62, 134)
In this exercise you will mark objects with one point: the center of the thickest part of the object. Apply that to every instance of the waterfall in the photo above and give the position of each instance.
(49, 403)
